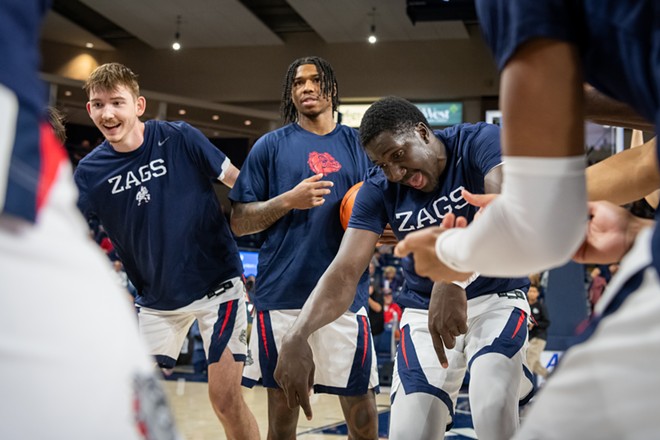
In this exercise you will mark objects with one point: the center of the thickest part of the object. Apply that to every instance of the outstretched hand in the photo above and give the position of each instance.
(478, 200)
(295, 372)
(422, 245)
(611, 232)
(309, 193)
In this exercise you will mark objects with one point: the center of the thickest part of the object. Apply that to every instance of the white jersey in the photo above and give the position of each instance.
(607, 386)
(73, 365)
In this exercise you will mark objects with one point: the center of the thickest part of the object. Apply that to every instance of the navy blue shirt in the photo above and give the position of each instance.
(618, 42)
(472, 152)
(160, 210)
(300, 246)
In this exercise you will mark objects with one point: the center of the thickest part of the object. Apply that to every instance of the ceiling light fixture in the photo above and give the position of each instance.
(372, 36)
(177, 45)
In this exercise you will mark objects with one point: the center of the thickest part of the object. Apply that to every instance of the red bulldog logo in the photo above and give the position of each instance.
(323, 163)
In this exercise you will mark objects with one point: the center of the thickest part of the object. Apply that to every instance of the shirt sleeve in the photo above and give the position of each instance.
(210, 159)
(508, 24)
(252, 182)
(485, 149)
(369, 210)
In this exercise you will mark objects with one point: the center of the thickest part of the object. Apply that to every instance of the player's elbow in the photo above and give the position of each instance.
(550, 243)
(237, 225)
(554, 248)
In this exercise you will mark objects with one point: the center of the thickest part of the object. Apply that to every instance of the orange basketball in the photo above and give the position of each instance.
(346, 207)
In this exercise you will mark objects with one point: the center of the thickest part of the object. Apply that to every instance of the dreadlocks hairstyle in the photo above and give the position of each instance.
(108, 77)
(329, 86)
(392, 114)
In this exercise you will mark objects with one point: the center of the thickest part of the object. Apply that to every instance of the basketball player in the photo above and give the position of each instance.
(418, 184)
(290, 186)
(65, 373)
(545, 50)
(150, 184)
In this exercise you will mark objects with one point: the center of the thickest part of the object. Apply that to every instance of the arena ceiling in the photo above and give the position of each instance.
(235, 23)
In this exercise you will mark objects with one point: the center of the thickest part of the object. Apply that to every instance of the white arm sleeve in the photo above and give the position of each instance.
(538, 222)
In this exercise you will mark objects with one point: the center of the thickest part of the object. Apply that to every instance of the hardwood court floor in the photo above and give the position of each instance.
(196, 421)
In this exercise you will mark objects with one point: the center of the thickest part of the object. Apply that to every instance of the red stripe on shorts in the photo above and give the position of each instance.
(230, 305)
(521, 319)
(264, 339)
(366, 339)
(403, 347)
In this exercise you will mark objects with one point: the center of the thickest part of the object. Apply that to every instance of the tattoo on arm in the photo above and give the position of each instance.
(250, 218)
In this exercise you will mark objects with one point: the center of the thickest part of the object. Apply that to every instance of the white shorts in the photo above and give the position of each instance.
(72, 363)
(608, 386)
(495, 325)
(351, 374)
(222, 323)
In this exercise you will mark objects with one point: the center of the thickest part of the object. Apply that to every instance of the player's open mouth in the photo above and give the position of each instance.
(417, 180)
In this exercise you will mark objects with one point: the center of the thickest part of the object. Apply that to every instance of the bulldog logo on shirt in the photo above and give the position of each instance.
(323, 163)
(143, 196)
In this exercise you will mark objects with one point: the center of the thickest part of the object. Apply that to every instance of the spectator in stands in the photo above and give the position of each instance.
(391, 283)
(391, 310)
(375, 259)
(597, 286)
(249, 285)
(538, 333)
(614, 268)
(376, 304)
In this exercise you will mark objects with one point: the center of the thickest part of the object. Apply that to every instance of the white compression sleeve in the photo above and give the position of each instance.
(538, 221)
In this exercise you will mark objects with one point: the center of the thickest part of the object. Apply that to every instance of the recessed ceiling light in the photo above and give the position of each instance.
(215, 117)
(67, 93)
(182, 111)
(247, 122)
(89, 45)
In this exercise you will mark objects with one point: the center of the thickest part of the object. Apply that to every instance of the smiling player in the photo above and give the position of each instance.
(418, 185)
(151, 186)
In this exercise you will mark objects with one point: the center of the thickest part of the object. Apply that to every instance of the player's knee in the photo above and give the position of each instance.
(368, 430)
(225, 401)
(495, 402)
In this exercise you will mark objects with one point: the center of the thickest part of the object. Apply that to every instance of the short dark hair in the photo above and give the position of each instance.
(329, 86)
(393, 114)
